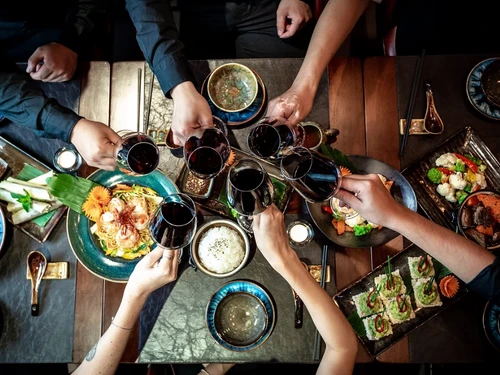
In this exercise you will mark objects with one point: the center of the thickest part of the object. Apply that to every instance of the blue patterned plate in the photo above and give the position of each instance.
(82, 242)
(240, 315)
(242, 117)
(491, 324)
(475, 92)
(2, 229)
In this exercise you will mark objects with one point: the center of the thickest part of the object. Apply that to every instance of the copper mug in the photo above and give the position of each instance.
(315, 135)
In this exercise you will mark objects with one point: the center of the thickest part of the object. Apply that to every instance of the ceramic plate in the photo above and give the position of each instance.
(242, 117)
(85, 245)
(436, 207)
(2, 229)
(475, 92)
(401, 191)
(227, 303)
(491, 324)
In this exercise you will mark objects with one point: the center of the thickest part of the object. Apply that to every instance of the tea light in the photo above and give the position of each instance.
(67, 160)
(300, 232)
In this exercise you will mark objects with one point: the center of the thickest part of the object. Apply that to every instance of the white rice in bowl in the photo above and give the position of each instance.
(221, 249)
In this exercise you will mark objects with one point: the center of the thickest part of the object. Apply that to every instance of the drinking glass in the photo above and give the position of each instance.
(174, 222)
(139, 154)
(249, 191)
(206, 152)
(273, 137)
(313, 175)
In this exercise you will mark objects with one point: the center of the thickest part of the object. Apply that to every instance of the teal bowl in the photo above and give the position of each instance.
(84, 244)
(232, 87)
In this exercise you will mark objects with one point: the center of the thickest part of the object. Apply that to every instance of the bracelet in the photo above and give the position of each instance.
(116, 325)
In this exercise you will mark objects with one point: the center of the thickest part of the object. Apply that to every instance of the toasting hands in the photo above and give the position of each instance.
(294, 105)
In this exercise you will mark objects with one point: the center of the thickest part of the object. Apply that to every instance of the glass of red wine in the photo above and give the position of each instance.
(174, 222)
(249, 191)
(139, 154)
(313, 175)
(273, 137)
(206, 152)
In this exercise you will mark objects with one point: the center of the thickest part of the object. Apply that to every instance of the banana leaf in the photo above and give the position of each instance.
(70, 190)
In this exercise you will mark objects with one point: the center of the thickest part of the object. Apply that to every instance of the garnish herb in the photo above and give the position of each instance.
(428, 285)
(372, 297)
(389, 277)
(403, 307)
(422, 264)
(25, 200)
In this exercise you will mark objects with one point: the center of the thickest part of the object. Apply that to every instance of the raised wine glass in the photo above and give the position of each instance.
(249, 191)
(315, 177)
(206, 151)
(139, 154)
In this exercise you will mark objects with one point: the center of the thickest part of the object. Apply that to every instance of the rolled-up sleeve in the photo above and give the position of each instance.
(159, 41)
(487, 282)
(24, 103)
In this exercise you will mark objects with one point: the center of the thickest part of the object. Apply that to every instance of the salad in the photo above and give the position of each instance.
(457, 175)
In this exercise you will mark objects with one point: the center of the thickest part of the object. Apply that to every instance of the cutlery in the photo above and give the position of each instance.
(36, 265)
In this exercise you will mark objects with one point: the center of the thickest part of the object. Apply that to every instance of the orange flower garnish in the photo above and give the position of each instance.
(231, 158)
(449, 286)
(92, 209)
(100, 195)
(344, 171)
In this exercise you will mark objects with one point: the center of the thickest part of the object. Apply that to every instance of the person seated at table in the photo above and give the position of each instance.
(470, 262)
(49, 36)
(334, 25)
(213, 29)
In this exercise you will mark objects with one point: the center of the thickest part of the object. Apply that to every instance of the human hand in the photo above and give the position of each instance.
(152, 272)
(191, 111)
(270, 236)
(97, 143)
(367, 195)
(59, 63)
(294, 105)
(291, 16)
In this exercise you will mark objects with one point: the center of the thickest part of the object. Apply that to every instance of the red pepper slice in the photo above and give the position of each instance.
(379, 327)
(422, 266)
(402, 306)
(469, 163)
(327, 209)
(389, 284)
(369, 303)
(445, 171)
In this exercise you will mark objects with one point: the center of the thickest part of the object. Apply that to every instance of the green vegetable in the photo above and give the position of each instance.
(428, 286)
(467, 188)
(279, 190)
(338, 157)
(337, 216)
(361, 230)
(71, 191)
(25, 200)
(435, 175)
(473, 159)
(461, 195)
(482, 168)
(459, 166)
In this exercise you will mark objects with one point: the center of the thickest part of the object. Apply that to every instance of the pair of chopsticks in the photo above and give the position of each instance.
(411, 102)
(317, 336)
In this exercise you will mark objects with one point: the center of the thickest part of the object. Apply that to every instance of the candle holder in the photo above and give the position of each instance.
(300, 232)
(67, 160)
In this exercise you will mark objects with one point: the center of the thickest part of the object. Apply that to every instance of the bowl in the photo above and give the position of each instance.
(196, 262)
(240, 315)
(232, 87)
(463, 213)
(490, 83)
(2, 229)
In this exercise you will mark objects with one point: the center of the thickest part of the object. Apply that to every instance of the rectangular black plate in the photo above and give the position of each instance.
(213, 204)
(436, 207)
(398, 262)
(16, 159)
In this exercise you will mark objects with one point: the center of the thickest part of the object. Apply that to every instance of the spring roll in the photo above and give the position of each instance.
(41, 207)
(22, 216)
(38, 193)
(41, 180)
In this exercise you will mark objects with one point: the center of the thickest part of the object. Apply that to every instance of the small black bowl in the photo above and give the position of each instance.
(490, 83)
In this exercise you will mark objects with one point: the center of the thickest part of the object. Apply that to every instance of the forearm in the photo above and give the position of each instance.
(336, 22)
(105, 357)
(460, 255)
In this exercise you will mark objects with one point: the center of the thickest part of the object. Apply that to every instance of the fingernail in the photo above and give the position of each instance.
(28, 70)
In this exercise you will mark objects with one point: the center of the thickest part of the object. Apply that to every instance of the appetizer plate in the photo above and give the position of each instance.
(491, 324)
(435, 206)
(344, 300)
(16, 160)
(401, 191)
(82, 242)
(230, 310)
(476, 94)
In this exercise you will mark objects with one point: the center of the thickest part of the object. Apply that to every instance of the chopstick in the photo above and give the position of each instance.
(139, 89)
(146, 125)
(317, 336)
(411, 102)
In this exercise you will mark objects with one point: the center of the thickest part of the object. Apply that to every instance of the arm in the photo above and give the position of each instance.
(334, 25)
(341, 342)
(149, 274)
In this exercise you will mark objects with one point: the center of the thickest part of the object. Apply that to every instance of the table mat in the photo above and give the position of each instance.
(179, 332)
(47, 338)
(456, 334)
(29, 140)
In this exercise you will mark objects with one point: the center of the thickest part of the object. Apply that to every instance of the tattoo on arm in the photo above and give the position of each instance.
(90, 356)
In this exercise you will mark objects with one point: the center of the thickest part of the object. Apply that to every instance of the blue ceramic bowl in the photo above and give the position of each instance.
(491, 324)
(2, 229)
(475, 92)
(240, 299)
(83, 243)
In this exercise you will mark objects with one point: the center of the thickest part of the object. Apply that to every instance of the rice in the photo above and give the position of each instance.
(221, 249)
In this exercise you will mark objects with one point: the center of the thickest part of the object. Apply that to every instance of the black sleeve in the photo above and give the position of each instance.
(159, 40)
(24, 103)
(487, 282)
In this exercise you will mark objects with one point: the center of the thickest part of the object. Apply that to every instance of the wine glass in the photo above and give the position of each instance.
(139, 154)
(206, 152)
(273, 137)
(249, 191)
(313, 175)
(174, 222)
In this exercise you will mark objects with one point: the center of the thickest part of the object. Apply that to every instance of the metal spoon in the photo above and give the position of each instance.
(36, 265)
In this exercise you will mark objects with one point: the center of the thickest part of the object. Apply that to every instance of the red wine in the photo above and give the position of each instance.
(173, 227)
(205, 161)
(139, 154)
(264, 141)
(250, 191)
